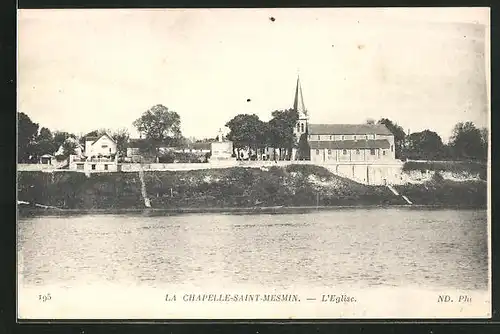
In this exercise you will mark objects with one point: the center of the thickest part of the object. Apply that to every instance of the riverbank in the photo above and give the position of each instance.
(236, 189)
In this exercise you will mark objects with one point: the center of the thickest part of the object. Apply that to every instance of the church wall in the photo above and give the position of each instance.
(348, 155)
(357, 155)
(390, 139)
(317, 155)
(345, 155)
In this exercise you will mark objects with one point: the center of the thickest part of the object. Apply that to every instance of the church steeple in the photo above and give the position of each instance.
(299, 106)
(298, 102)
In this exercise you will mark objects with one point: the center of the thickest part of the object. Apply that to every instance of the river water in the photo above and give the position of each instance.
(361, 248)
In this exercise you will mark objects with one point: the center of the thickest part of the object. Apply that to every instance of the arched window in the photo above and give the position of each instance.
(302, 127)
(298, 127)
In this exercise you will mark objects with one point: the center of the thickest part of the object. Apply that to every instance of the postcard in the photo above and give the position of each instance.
(313, 163)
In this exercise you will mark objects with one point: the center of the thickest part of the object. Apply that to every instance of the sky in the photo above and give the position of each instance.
(84, 69)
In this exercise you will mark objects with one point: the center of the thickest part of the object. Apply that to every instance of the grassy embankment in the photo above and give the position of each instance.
(291, 186)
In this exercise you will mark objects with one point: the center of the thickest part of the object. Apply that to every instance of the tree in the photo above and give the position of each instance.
(281, 131)
(424, 145)
(27, 131)
(247, 131)
(69, 147)
(304, 150)
(485, 141)
(159, 126)
(121, 137)
(399, 135)
(61, 136)
(467, 141)
(45, 134)
(45, 142)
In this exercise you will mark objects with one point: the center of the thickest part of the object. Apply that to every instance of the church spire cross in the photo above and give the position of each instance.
(298, 102)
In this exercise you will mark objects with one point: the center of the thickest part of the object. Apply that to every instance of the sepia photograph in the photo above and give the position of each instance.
(312, 163)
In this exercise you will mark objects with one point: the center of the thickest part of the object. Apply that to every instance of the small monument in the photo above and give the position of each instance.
(221, 149)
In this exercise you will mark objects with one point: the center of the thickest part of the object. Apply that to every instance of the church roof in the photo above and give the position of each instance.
(298, 102)
(350, 144)
(348, 129)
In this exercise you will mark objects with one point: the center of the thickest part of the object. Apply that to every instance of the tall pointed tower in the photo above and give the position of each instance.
(298, 105)
(300, 152)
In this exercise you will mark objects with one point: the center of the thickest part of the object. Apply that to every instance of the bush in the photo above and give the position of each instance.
(307, 170)
(437, 177)
(166, 158)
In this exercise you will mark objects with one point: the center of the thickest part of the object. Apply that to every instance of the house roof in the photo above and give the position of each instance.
(348, 129)
(94, 139)
(350, 144)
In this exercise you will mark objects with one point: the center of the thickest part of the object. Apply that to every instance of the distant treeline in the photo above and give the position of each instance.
(161, 126)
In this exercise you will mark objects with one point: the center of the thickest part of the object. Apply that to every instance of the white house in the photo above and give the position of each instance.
(104, 145)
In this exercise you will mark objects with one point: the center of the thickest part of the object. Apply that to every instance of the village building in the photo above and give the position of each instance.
(103, 146)
(100, 155)
(47, 159)
(79, 149)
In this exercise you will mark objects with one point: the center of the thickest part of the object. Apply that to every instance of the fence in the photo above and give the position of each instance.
(34, 167)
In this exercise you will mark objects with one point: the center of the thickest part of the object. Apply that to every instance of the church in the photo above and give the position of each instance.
(342, 143)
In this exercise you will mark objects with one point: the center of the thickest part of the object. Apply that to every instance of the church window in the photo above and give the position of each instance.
(317, 152)
(329, 151)
(357, 151)
(298, 127)
(342, 137)
(319, 137)
(372, 151)
(354, 137)
(344, 152)
(302, 127)
(383, 152)
(331, 137)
